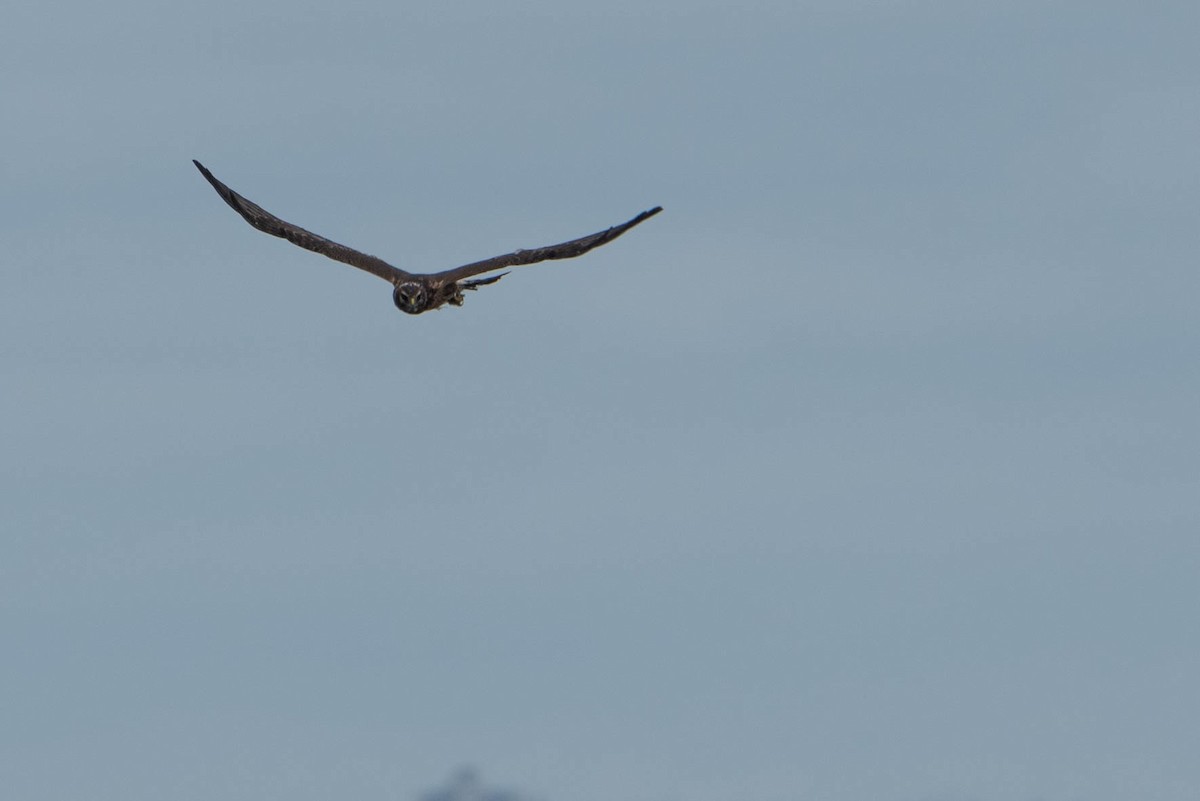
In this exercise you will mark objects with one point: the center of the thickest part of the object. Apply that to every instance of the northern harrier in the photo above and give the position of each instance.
(415, 292)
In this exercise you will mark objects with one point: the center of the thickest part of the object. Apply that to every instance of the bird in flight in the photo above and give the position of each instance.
(416, 292)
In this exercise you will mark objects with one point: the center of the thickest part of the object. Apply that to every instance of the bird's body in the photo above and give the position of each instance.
(415, 293)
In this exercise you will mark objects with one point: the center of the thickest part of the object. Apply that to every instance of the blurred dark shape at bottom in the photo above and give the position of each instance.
(464, 785)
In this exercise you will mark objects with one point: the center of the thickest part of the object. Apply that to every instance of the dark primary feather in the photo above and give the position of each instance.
(563, 250)
(265, 221)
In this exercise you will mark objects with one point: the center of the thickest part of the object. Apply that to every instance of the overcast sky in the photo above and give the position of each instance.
(867, 471)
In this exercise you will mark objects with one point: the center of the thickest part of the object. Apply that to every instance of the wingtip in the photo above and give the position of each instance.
(645, 215)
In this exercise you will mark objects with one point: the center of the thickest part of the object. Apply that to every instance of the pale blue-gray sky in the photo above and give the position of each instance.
(869, 470)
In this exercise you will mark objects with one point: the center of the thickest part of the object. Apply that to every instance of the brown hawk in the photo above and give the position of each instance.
(416, 292)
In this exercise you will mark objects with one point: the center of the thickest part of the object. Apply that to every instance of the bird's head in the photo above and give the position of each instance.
(411, 297)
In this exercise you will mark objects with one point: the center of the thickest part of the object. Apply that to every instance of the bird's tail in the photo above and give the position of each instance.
(478, 282)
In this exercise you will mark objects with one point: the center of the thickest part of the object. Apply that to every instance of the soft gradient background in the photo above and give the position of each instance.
(868, 471)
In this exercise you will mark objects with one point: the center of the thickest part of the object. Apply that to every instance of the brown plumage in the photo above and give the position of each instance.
(415, 292)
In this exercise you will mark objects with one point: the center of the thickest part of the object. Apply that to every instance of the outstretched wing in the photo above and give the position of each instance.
(565, 250)
(264, 220)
